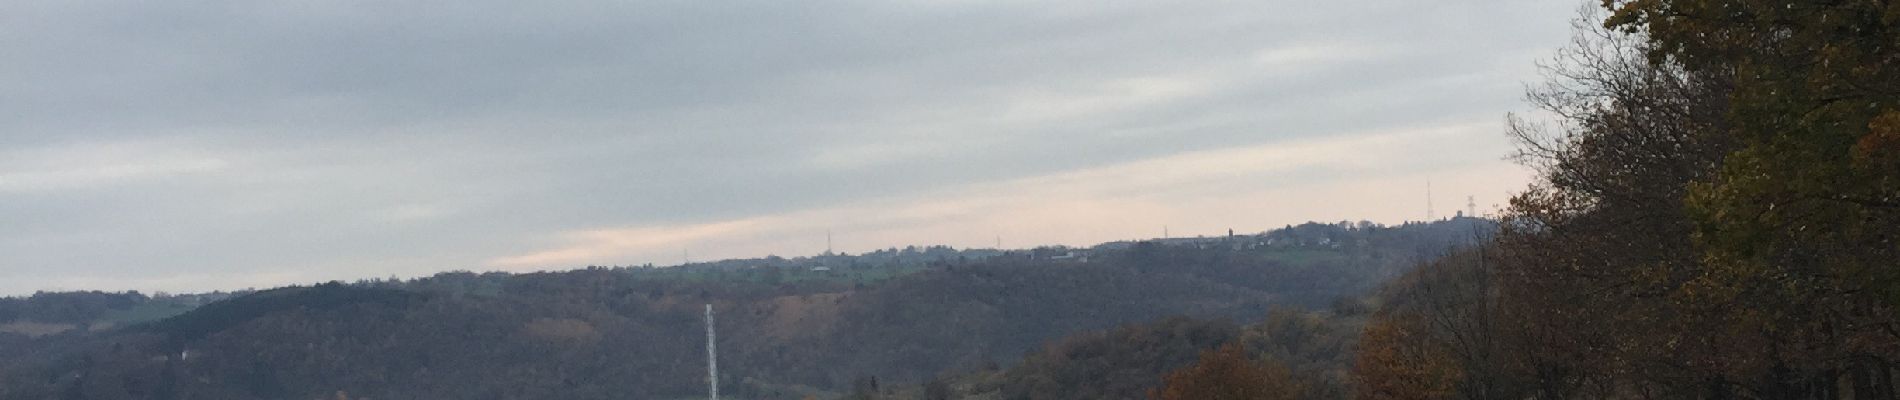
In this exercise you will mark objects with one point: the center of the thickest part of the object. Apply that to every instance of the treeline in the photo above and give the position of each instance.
(99, 309)
(67, 307)
(1292, 353)
(635, 332)
(1717, 219)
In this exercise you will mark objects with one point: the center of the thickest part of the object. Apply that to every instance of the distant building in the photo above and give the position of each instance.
(1071, 255)
(821, 269)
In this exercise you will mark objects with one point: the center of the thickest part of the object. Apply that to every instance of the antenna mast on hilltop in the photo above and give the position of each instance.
(827, 242)
(1471, 206)
(712, 357)
(1429, 214)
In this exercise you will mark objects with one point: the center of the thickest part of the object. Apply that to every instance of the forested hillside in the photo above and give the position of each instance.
(1312, 350)
(788, 328)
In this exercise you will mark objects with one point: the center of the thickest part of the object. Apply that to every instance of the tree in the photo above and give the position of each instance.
(1398, 362)
(1227, 374)
(1810, 201)
(1714, 219)
(1801, 225)
(1608, 226)
(1604, 282)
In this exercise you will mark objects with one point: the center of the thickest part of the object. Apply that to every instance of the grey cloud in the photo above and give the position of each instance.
(420, 137)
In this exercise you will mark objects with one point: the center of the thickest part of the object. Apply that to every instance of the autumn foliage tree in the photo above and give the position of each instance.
(1397, 361)
(1806, 210)
(1802, 222)
(1714, 218)
(1227, 373)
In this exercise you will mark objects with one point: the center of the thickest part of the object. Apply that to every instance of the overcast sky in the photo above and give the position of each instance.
(208, 144)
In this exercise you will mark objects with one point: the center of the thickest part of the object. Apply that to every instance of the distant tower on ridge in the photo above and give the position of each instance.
(1429, 214)
(1471, 206)
(712, 357)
